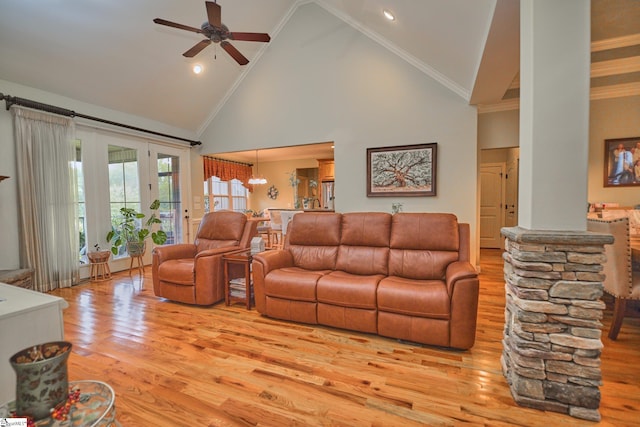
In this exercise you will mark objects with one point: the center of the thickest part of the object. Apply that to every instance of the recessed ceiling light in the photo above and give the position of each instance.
(387, 14)
(197, 68)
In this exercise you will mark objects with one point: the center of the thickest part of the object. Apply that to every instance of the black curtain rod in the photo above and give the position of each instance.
(11, 100)
(228, 161)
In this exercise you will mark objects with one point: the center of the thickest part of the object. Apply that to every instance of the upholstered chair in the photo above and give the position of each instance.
(194, 273)
(621, 281)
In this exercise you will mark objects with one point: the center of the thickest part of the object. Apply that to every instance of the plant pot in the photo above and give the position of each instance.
(42, 381)
(136, 248)
(98, 256)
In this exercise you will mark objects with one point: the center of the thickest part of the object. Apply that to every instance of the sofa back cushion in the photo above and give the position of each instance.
(364, 244)
(313, 239)
(220, 229)
(423, 245)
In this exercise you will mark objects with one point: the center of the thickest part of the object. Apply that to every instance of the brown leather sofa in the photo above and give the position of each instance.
(404, 276)
(193, 273)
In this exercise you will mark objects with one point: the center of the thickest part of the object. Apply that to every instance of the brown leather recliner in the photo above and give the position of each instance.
(193, 273)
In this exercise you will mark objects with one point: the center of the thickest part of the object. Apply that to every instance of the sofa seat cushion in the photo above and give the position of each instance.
(420, 298)
(178, 271)
(348, 290)
(293, 283)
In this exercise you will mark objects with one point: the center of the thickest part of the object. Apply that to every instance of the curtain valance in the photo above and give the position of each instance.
(227, 170)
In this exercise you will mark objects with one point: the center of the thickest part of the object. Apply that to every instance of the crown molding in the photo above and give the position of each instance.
(596, 93)
(505, 105)
(426, 69)
(274, 33)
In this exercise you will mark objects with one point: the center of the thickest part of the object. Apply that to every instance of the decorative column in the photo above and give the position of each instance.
(551, 345)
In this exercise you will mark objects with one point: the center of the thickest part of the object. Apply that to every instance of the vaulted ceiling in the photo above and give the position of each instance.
(112, 54)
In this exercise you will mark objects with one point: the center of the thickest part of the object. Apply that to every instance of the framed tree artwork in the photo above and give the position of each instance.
(406, 170)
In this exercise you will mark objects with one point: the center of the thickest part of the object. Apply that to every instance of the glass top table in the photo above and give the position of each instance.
(95, 408)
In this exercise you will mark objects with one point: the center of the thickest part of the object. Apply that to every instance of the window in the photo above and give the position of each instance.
(115, 171)
(224, 195)
(124, 185)
(81, 208)
(169, 196)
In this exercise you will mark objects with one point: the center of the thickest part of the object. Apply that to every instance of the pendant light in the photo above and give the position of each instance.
(257, 179)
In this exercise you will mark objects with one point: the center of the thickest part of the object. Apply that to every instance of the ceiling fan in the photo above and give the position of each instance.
(215, 31)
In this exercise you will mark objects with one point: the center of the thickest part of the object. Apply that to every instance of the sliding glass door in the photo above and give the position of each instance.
(166, 171)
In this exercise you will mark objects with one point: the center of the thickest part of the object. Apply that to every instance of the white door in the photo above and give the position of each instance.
(511, 194)
(126, 171)
(491, 204)
(168, 179)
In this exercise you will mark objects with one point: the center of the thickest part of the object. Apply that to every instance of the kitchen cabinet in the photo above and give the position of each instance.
(326, 170)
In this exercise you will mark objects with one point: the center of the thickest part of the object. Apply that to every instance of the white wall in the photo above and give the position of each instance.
(321, 80)
(9, 256)
(608, 119)
(611, 118)
(277, 174)
(499, 130)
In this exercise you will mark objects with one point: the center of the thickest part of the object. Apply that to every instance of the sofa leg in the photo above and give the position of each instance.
(618, 314)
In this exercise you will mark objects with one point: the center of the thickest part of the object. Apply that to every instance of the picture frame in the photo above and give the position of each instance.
(622, 168)
(404, 170)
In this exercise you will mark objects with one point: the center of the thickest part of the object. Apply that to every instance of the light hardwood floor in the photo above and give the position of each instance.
(177, 365)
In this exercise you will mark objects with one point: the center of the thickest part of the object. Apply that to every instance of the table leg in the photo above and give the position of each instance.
(247, 283)
(226, 283)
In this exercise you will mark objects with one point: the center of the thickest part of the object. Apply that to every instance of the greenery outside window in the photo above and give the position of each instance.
(124, 184)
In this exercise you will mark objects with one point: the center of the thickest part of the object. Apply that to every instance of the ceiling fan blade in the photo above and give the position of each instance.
(250, 37)
(176, 25)
(213, 13)
(235, 53)
(197, 48)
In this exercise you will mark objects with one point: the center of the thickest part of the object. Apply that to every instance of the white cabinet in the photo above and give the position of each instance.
(26, 318)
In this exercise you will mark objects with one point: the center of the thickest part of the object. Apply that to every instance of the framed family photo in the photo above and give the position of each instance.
(622, 162)
(406, 170)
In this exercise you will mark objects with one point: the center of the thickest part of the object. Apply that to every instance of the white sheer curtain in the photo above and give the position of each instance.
(47, 194)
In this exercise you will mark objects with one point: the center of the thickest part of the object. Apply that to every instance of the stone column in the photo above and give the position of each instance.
(551, 345)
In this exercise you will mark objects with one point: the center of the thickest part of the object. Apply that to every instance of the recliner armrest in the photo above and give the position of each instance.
(216, 251)
(457, 271)
(177, 251)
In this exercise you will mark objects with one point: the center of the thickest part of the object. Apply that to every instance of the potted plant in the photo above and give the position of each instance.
(131, 230)
(98, 256)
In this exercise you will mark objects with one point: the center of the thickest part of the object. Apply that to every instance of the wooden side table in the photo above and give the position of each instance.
(99, 267)
(139, 262)
(99, 271)
(238, 289)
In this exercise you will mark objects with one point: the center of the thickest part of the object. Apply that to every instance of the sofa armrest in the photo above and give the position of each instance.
(457, 271)
(273, 260)
(263, 263)
(463, 286)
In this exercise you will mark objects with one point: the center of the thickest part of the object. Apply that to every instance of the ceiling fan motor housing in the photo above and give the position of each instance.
(215, 34)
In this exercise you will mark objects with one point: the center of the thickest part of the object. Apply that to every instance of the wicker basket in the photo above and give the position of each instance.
(98, 256)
